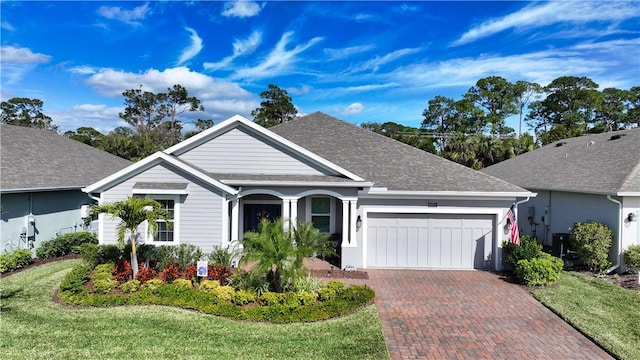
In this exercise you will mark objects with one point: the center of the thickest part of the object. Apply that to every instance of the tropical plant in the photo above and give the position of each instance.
(132, 212)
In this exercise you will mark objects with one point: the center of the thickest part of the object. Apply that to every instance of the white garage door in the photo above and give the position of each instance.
(431, 241)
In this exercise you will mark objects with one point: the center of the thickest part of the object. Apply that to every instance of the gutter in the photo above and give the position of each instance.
(620, 225)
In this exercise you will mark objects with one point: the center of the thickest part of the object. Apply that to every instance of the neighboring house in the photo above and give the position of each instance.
(593, 177)
(392, 205)
(41, 176)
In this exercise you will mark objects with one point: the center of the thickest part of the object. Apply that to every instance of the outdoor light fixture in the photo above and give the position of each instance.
(358, 222)
(32, 219)
(631, 217)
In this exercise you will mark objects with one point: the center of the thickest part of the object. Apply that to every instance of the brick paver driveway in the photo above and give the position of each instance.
(470, 315)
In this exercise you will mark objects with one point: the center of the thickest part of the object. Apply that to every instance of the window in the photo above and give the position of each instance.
(321, 213)
(167, 229)
(165, 233)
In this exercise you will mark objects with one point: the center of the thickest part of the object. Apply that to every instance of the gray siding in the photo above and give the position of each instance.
(200, 213)
(54, 212)
(236, 152)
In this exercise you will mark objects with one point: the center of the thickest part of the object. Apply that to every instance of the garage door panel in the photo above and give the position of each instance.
(439, 241)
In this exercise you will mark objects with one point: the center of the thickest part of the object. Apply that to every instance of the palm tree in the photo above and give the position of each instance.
(132, 212)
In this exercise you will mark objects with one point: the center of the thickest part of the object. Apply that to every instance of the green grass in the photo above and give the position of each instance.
(605, 312)
(32, 326)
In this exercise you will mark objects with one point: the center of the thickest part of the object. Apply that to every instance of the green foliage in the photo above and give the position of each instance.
(15, 260)
(182, 283)
(152, 284)
(542, 270)
(89, 253)
(25, 112)
(209, 285)
(307, 298)
(592, 240)
(242, 297)
(73, 282)
(270, 298)
(308, 283)
(252, 281)
(222, 256)
(130, 286)
(276, 108)
(109, 254)
(527, 250)
(632, 257)
(104, 286)
(65, 244)
(326, 293)
(104, 268)
(181, 256)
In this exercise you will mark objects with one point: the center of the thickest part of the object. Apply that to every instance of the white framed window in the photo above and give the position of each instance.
(321, 210)
(168, 230)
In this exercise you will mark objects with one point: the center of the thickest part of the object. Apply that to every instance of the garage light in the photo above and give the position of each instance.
(631, 217)
(358, 222)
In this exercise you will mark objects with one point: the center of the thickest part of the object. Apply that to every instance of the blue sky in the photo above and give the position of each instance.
(358, 61)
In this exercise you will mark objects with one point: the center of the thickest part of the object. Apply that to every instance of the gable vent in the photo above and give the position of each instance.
(617, 136)
(558, 144)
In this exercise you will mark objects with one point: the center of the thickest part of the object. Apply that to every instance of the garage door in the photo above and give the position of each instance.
(430, 241)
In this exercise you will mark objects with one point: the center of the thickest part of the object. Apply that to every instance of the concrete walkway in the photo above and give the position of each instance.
(470, 315)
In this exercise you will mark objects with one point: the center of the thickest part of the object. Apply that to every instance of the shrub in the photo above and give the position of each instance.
(307, 298)
(209, 285)
(109, 254)
(104, 268)
(249, 281)
(191, 272)
(181, 256)
(152, 284)
(122, 270)
(307, 283)
(170, 273)
(182, 284)
(74, 281)
(219, 273)
(14, 260)
(592, 240)
(104, 286)
(145, 274)
(270, 298)
(632, 259)
(542, 270)
(336, 286)
(65, 244)
(130, 286)
(89, 253)
(326, 294)
(221, 256)
(527, 250)
(243, 297)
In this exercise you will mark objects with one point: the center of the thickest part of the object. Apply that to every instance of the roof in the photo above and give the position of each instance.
(36, 160)
(607, 163)
(384, 161)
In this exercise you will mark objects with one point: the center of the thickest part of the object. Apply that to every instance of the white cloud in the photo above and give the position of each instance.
(7, 26)
(375, 63)
(337, 54)
(241, 8)
(98, 116)
(83, 70)
(279, 61)
(20, 55)
(193, 49)
(355, 108)
(534, 16)
(305, 89)
(126, 16)
(240, 47)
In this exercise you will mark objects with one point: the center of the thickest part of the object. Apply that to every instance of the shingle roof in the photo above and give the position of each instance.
(606, 163)
(384, 161)
(33, 159)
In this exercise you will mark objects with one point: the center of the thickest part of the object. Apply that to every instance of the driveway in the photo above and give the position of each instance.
(470, 315)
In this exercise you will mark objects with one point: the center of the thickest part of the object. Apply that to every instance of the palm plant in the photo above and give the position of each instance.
(132, 212)
(278, 254)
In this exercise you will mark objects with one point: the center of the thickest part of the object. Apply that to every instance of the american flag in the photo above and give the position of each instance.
(515, 233)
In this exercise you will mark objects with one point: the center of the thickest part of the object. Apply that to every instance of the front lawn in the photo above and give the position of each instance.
(607, 313)
(32, 326)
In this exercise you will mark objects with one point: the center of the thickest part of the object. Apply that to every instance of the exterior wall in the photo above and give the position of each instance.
(630, 229)
(200, 218)
(54, 212)
(354, 256)
(237, 152)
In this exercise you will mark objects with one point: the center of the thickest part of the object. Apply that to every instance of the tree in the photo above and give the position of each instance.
(405, 134)
(276, 108)
(87, 135)
(132, 212)
(201, 125)
(27, 113)
(611, 113)
(494, 94)
(633, 113)
(523, 91)
(441, 116)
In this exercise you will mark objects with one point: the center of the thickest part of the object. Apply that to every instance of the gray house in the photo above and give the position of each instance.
(391, 205)
(593, 177)
(41, 177)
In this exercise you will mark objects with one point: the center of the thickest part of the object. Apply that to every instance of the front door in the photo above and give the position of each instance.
(254, 213)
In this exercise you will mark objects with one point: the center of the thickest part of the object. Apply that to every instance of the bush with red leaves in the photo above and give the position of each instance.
(190, 272)
(122, 271)
(219, 273)
(145, 274)
(170, 273)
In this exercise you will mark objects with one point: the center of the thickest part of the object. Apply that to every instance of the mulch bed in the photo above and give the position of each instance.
(339, 274)
(626, 280)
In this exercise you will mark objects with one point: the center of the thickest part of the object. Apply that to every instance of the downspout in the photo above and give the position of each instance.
(620, 220)
(97, 199)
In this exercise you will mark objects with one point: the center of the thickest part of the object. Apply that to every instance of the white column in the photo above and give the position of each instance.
(225, 222)
(353, 217)
(235, 213)
(294, 212)
(286, 203)
(345, 222)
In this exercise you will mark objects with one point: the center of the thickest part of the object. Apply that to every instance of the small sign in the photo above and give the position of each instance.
(202, 269)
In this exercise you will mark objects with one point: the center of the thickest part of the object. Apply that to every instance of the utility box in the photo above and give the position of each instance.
(85, 212)
(560, 244)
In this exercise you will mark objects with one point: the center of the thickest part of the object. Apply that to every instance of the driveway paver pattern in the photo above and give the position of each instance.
(470, 315)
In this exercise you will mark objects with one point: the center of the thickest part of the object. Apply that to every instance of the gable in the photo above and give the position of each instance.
(240, 151)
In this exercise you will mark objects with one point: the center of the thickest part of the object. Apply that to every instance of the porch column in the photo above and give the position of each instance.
(353, 217)
(225, 222)
(294, 212)
(345, 223)
(235, 212)
(286, 203)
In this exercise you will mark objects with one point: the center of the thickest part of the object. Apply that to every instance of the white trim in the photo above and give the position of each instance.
(294, 211)
(285, 213)
(353, 241)
(497, 213)
(271, 192)
(44, 189)
(149, 238)
(326, 192)
(158, 191)
(149, 162)
(236, 120)
(224, 238)
(468, 195)
(345, 223)
(101, 222)
(295, 183)
(235, 219)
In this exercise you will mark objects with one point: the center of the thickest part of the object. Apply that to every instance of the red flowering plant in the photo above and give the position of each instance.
(122, 271)
(170, 273)
(145, 274)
